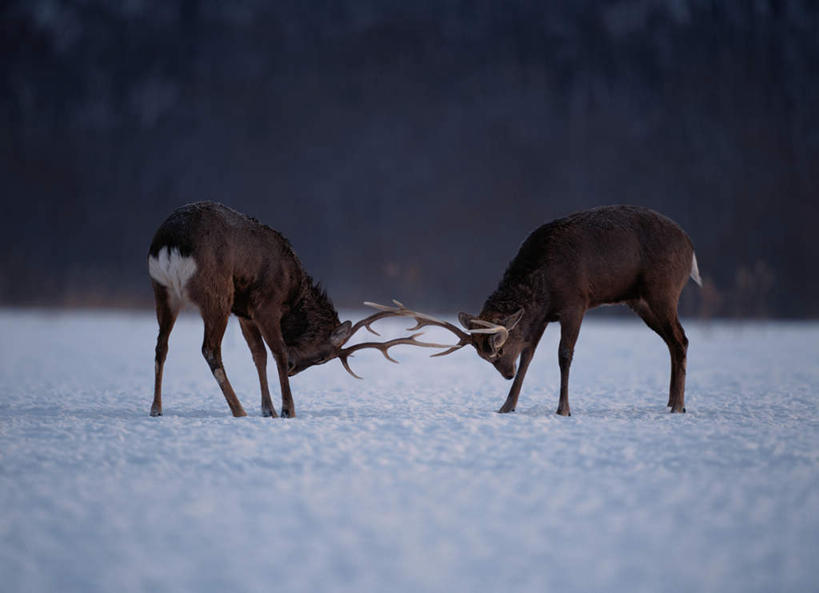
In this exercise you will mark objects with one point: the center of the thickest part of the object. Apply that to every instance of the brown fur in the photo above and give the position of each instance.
(612, 254)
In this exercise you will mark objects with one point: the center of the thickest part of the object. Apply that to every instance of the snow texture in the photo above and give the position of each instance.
(408, 480)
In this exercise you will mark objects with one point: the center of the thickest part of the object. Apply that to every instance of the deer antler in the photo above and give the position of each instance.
(424, 320)
(492, 328)
(384, 347)
(367, 321)
(421, 320)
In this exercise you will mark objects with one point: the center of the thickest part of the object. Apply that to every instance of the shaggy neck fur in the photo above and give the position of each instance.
(515, 289)
(311, 317)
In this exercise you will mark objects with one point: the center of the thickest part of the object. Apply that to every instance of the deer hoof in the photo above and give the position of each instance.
(505, 410)
(677, 411)
(156, 413)
(563, 413)
(287, 414)
(269, 413)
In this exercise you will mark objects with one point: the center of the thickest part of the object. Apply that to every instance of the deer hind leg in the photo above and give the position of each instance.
(166, 313)
(254, 340)
(662, 318)
(216, 319)
(569, 330)
(679, 356)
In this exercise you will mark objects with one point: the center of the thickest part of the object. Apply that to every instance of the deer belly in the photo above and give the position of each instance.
(616, 285)
(172, 270)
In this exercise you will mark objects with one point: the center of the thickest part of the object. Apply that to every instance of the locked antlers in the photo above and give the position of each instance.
(421, 320)
(344, 353)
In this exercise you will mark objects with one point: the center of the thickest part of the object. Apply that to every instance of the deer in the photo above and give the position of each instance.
(606, 255)
(224, 262)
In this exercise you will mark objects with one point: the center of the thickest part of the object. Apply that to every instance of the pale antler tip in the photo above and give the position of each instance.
(347, 367)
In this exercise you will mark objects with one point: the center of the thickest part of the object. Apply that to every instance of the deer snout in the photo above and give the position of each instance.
(507, 370)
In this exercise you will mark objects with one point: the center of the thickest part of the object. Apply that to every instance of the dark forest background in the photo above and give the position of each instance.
(406, 148)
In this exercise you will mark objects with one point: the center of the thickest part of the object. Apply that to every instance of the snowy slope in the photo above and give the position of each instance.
(407, 481)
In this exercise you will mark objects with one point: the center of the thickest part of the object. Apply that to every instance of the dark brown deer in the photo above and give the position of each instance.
(225, 262)
(612, 254)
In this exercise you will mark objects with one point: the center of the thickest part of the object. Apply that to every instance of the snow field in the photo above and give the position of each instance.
(408, 480)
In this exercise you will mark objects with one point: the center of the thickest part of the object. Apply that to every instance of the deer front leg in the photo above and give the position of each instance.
(271, 331)
(512, 399)
(288, 406)
(254, 341)
(525, 358)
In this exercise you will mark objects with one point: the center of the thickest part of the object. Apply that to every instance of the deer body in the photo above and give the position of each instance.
(613, 254)
(224, 262)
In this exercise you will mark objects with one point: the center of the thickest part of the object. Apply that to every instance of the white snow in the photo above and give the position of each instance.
(408, 480)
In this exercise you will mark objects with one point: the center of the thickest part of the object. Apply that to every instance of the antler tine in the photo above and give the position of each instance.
(484, 323)
(383, 311)
(384, 347)
(347, 367)
(449, 351)
(421, 319)
(369, 320)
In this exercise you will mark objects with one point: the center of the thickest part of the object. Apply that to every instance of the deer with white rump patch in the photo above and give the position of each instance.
(612, 254)
(224, 262)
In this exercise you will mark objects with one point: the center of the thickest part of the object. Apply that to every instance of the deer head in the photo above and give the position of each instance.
(500, 345)
(307, 352)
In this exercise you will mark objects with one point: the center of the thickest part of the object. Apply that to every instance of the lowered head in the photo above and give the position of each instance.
(495, 339)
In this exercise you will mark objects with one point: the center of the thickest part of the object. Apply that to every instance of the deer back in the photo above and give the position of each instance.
(604, 255)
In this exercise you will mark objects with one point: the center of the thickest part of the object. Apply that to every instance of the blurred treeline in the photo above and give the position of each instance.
(407, 148)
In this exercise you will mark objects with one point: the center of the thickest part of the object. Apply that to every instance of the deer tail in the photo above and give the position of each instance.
(695, 271)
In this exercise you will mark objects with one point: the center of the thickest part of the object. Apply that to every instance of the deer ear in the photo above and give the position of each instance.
(513, 319)
(340, 334)
(465, 319)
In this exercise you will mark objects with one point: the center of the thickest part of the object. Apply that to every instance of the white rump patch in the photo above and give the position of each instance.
(170, 269)
(695, 271)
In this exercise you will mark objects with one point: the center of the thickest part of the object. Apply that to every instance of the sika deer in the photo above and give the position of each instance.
(225, 262)
(612, 254)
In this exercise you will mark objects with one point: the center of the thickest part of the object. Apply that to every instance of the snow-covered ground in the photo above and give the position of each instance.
(408, 480)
